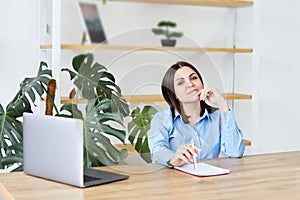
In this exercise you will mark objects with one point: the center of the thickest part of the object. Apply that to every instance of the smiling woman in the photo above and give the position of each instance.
(187, 85)
(181, 79)
(191, 117)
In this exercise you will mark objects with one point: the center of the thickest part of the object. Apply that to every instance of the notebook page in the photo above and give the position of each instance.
(203, 169)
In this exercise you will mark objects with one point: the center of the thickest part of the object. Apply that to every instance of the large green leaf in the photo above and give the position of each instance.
(98, 127)
(93, 80)
(72, 111)
(138, 128)
(11, 129)
(106, 106)
(14, 156)
(11, 134)
(29, 89)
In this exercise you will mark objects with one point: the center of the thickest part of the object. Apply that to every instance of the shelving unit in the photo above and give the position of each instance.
(56, 45)
(154, 98)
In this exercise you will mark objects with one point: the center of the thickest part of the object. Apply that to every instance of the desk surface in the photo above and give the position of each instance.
(269, 176)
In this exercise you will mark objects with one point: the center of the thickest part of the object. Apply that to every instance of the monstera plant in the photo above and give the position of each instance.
(105, 104)
(11, 131)
(138, 129)
(103, 116)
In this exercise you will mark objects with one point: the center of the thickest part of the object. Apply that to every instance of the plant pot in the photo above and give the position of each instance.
(168, 42)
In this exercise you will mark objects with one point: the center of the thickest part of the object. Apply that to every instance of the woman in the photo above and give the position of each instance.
(189, 118)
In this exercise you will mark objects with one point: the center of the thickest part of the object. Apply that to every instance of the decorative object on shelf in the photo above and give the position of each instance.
(164, 29)
(104, 115)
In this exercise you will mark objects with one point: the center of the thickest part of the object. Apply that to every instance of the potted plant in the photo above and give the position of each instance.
(164, 29)
(105, 104)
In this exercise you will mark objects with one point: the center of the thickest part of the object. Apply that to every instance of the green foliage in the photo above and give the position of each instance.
(11, 130)
(138, 128)
(103, 118)
(103, 1)
(106, 106)
(98, 149)
(167, 24)
(164, 29)
(93, 79)
(27, 93)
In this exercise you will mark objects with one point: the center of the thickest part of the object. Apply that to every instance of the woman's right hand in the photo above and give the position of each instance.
(184, 155)
(213, 98)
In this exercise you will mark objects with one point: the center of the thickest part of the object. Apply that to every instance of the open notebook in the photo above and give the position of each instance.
(203, 169)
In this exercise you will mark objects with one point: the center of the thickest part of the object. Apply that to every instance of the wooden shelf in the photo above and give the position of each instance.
(237, 96)
(147, 48)
(144, 98)
(214, 3)
(247, 142)
(156, 98)
(159, 98)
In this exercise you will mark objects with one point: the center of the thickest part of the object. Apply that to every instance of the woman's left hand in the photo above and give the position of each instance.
(214, 98)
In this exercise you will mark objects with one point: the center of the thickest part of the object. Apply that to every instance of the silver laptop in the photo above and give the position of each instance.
(53, 149)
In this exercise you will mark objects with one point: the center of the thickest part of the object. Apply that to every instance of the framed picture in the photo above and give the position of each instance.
(92, 23)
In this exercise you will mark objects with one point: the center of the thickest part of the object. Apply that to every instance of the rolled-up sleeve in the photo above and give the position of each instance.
(158, 138)
(232, 144)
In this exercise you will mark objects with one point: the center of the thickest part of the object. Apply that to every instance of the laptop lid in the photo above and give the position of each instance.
(53, 149)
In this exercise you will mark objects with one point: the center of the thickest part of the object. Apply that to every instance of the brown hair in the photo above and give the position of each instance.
(168, 90)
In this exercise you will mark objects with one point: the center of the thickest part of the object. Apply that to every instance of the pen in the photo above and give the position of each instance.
(194, 157)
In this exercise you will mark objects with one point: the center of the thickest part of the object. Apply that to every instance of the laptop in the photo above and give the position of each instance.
(53, 149)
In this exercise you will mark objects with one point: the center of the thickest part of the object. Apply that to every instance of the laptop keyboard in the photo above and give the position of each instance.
(90, 178)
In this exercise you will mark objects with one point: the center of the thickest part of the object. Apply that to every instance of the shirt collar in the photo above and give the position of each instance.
(206, 114)
(176, 114)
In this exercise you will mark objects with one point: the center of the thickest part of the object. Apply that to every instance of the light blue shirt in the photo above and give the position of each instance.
(214, 133)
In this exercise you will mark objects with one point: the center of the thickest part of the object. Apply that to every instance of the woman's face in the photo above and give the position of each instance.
(187, 84)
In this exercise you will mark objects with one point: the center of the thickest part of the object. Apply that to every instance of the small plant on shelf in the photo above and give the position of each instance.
(164, 28)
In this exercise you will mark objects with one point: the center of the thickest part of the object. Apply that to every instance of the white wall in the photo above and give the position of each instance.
(279, 82)
(19, 52)
(276, 96)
